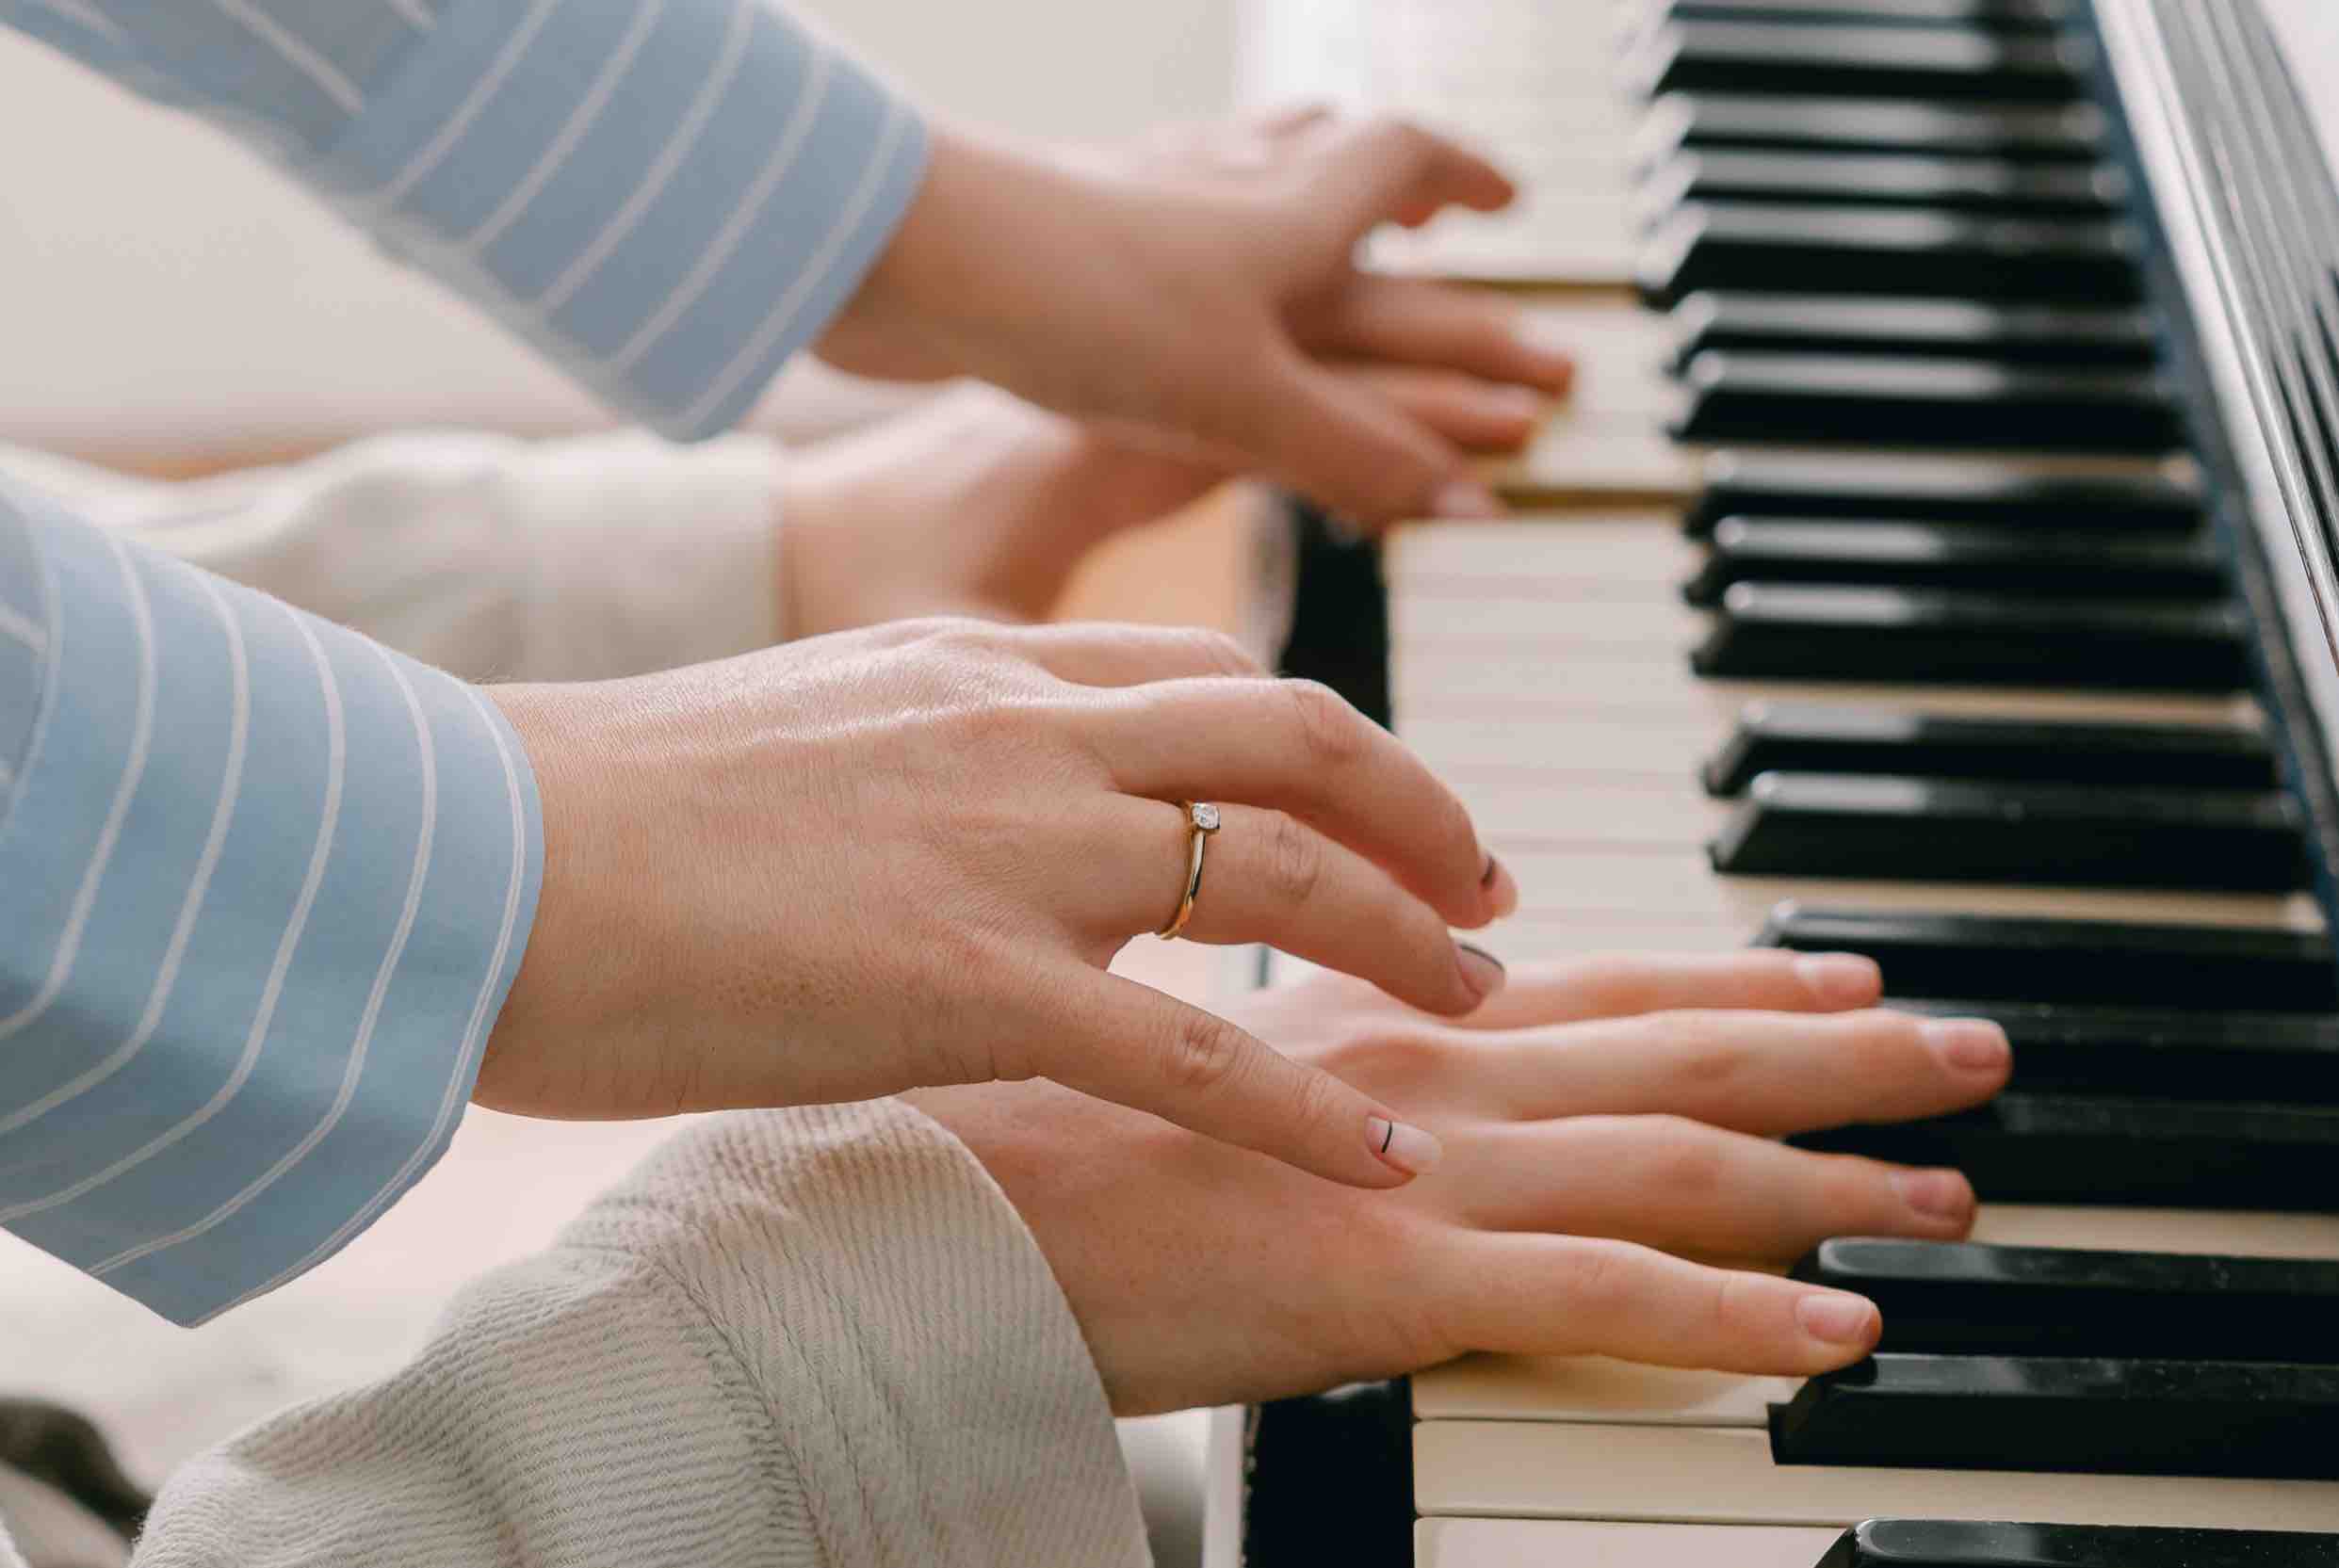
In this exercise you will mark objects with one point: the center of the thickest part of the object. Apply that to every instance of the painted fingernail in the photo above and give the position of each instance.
(1465, 498)
(1501, 889)
(1838, 1319)
(1968, 1044)
(1402, 1148)
(1839, 980)
(1482, 970)
(1935, 1195)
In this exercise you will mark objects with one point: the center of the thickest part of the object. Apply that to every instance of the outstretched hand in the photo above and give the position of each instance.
(1200, 293)
(1600, 1119)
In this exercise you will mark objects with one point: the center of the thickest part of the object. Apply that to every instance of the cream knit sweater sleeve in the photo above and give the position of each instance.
(792, 1338)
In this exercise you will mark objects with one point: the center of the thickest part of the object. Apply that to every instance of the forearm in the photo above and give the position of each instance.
(817, 1336)
(575, 560)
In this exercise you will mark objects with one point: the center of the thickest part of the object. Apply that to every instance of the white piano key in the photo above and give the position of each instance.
(1583, 1544)
(1725, 1475)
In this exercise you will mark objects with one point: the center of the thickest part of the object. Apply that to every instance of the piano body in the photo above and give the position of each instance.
(1936, 561)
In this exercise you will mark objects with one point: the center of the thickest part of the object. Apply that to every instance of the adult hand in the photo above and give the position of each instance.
(980, 504)
(1202, 292)
(1592, 1115)
(863, 863)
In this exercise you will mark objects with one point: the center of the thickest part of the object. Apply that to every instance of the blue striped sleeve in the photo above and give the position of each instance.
(666, 197)
(264, 886)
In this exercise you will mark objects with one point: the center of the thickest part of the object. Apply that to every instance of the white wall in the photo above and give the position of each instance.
(161, 288)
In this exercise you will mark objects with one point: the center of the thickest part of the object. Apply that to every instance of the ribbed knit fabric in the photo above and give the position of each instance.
(792, 1338)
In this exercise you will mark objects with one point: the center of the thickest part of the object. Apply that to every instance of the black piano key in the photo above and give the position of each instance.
(1851, 826)
(1755, 484)
(2058, 1148)
(1846, 59)
(1872, 251)
(1780, 631)
(2073, 133)
(2020, 16)
(1844, 399)
(2095, 1415)
(1988, 186)
(1992, 1543)
(1958, 558)
(1965, 1298)
(1920, 329)
(2108, 963)
(2161, 1053)
(1810, 737)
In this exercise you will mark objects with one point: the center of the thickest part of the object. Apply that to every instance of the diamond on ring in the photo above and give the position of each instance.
(1205, 816)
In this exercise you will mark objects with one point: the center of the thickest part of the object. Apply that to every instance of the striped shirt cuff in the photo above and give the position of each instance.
(264, 886)
(666, 197)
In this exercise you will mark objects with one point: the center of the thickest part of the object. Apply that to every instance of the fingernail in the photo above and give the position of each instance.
(1465, 498)
(1402, 1148)
(1968, 1044)
(1501, 889)
(1839, 980)
(1935, 1194)
(1482, 970)
(1521, 402)
(1838, 1319)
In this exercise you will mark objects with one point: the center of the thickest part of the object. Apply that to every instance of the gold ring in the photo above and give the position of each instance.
(1201, 821)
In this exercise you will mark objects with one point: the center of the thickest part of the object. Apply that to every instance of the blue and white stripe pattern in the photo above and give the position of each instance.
(264, 886)
(665, 196)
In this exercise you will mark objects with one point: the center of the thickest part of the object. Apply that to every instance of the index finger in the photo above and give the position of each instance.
(1300, 748)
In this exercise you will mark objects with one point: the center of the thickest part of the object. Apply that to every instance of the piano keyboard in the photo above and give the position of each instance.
(1867, 598)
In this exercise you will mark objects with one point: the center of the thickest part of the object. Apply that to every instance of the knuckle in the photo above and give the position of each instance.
(1734, 1305)
(1686, 1159)
(1385, 1061)
(1201, 1055)
(1712, 1052)
(1331, 732)
(1294, 867)
(1221, 653)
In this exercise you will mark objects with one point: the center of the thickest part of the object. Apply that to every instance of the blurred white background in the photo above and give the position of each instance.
(161, 291)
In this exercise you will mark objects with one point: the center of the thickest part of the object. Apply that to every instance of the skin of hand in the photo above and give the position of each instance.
(1601, 1120)
(1200, 293)
(859, 864)
(980, 504)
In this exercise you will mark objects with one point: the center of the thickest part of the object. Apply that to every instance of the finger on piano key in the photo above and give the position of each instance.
(1869, 251)
(1957, 64)
(1966, 557)
(2001, 830)
(2074, 133)
(1995, 187)
(2163, 1053)
(1954, 328)
(1584, 1543)
(1825, 399)
(1715, 1475)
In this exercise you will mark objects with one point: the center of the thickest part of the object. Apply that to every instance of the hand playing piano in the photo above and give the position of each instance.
(1599, 1118)
(1200, 294)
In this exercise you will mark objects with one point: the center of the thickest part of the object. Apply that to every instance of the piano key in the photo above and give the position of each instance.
(1790, 631)
(1747, 484)
(1778, 738)
(2243, 1055)
(1586, 1544)
(1960, 557)
(2056, 1148)
(2073, 133)
(1844, 59)
(2025, 16)
(1826, 399)
(2075, 961)
(1954, 328)
(1994, 186)
(2099, 1416)
(1800, 248)
(1998, 1544)
(1973, 1299)
(2014, 831)
(1709, 1474)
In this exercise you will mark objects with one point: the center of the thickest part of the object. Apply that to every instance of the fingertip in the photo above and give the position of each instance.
(1406, 1150)
(1838, 1327)
(1482, 972)
(1466, 499)
(1937, 1197)
(1837, 981)
(1501, 888)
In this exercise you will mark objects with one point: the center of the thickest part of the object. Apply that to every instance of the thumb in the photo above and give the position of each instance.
(1344, 443)
(1131, 1045)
